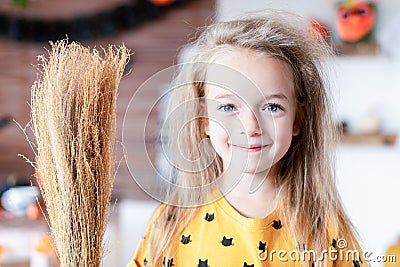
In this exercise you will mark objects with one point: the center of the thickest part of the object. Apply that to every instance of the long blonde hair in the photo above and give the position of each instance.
(309, 202)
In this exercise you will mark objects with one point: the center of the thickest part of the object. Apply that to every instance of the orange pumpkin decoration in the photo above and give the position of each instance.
(45, 245)
(1, 251)
(355, 20)
(161, 2)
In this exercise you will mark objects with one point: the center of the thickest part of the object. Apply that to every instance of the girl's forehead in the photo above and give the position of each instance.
(248, 74)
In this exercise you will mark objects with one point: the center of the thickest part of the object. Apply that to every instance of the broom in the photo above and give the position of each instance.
(73, 119)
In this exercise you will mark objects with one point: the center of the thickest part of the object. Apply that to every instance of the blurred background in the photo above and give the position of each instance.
(365, 76)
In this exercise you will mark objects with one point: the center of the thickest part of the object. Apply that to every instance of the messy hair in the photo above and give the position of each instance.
(308, 199)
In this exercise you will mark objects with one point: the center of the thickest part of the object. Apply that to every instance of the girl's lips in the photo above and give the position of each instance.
(250, 148)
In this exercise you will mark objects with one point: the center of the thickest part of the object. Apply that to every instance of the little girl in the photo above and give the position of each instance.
(250, 140)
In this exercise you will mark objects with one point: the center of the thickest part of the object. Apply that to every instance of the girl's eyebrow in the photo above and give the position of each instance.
(268, 97)
(276, 96)
(225, 95)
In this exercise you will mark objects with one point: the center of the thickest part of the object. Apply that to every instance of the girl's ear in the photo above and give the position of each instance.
(298, 122)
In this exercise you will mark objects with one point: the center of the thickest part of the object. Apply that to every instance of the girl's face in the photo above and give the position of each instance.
(251, 110)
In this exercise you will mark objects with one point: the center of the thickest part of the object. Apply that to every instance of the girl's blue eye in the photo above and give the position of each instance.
(227, 108)
(273, 108)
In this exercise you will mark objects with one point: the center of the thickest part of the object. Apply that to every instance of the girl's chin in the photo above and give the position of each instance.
(249, 168)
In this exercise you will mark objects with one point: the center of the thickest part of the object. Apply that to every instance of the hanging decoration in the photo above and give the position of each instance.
(355, 20)
(83, 26)
(319, 29)
(161, 2)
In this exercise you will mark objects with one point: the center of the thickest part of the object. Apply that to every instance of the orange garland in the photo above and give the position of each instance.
(161, 2)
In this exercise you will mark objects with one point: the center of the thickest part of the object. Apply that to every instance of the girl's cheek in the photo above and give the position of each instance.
(222, 124)
(284, 135)
(218, 129)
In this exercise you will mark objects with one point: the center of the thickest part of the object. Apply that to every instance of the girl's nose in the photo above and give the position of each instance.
(250, 124)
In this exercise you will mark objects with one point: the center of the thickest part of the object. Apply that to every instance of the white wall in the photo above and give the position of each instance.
(228, 9)
(369, 185)
(367, 84)
(134, 217)
(369, 175)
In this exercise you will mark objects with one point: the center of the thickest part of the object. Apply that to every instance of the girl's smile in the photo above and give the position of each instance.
(250, 148)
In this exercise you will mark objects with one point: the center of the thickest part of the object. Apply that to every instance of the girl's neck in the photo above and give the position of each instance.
(252, 195)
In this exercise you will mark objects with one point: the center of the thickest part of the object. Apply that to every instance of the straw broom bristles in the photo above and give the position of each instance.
(73, 117)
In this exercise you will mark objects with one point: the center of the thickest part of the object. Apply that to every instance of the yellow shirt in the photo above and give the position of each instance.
(219, 236)
(393, 256)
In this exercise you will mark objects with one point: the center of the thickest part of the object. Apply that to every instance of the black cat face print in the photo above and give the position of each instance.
(168, 262)
(227, 241)
(209, 217)
(185, 239)
(262, 246)
(277, 224)
(334, 243)
(357, 263)
(203, 263)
